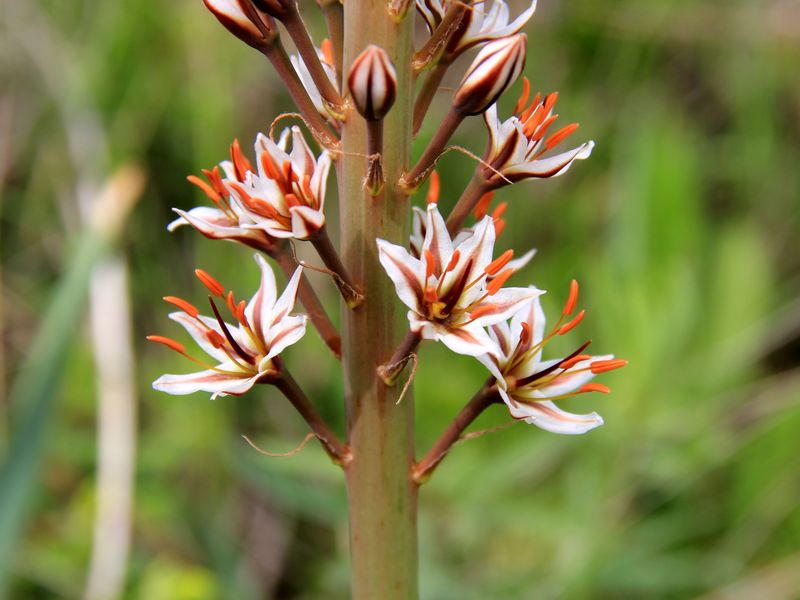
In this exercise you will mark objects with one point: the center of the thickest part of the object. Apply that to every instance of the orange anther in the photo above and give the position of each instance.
(269, 167)
(568, 326)
(231, 302)
(499, 226)
(453, 261)
(495, 284)
(601, 366)
(169, 343)
(523, 97)
(292, 200)
(499, 262)
(499, 210)
(327, 51)
(309, 193)
(240, 312)
(240, 164)
(483, 309)
(550, 101)
(571, 362)
(525, 334)
(430, 264)
(214, 286)
(572, 299)
(183, 305)
(594, 387)
(559, 136)
(207, 189)
(482, 207)
(215, 338)
(433, 189)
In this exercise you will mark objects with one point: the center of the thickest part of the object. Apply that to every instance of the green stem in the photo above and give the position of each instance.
(382, 498)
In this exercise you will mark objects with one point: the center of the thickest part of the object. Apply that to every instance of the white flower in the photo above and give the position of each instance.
(447, 289)
(325, 54)
(245, 352)
(529, 385)
(481, 24)
(517, 145)
(286, 197)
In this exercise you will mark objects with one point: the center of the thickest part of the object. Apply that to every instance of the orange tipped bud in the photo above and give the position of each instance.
(601, 366)
(168, 342)
(495, 284)
(571, 362)
(214, 286)
(594, 387)
(373, 83)
(568, 326)
(482, 207)
(499, 262)
(497, 66)
(433, 189)
(183, 305)
(572, 299)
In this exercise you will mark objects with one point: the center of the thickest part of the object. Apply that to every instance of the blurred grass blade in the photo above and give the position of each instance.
(34, 390)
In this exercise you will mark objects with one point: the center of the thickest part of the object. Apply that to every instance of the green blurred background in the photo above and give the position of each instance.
(682, 228)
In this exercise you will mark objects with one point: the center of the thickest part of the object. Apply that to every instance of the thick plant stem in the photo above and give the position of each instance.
(381, 496)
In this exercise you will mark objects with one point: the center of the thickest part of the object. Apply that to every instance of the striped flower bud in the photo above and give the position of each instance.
(276, 8)
(244, 20)
(373, 83)
(495, 68)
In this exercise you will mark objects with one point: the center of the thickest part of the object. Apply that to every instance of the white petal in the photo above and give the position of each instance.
(306, 221)
(259, 309)
(289, 332)
(198, 333)
(552, 166)
(573, 379)
(468, 340)
(405, 271)
(533, 315)
(437, 239)
(493, 363)
(504, 303)
(285, 303)
(546, 415)
(218, 384)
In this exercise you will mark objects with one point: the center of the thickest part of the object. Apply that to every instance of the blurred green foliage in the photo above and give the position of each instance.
(682, 228)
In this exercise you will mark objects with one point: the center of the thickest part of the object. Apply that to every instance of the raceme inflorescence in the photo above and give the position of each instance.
(360, 97)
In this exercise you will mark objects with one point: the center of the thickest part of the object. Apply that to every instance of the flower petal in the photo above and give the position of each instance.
(437, 239)
(218, 384)
(572, 379)
(405, 271)
(259, 309)
(306, 221)
(504, 303)
(552, 166)
(198, 333)
(469, 340)
(290, 331)
(546, 415)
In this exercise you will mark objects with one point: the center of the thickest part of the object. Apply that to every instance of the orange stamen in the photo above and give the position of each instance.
(525, 334)
(214, 286)
(499, 210)
(430, 264)
(482, 207)
(327, 51)
(292, 200)
(240, 313)
(495, 284)
(559, 136)
(483, 309)
(498, 263)
(240, 164)
(594, 387)
(453, 261)
(550, 101)
(269, 167)
(183, 305)
(168, 342)
(523, 97)
(215, 338)
(572, 299)
(571, 362)
(601, 366)
(433, 189)
(568, 326)
(207, 189)
(499, 226)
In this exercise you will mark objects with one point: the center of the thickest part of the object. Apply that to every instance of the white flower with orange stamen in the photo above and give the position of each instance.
(529, 385)
(448, 290)
(325, 54)
(481, 24)
(286, 196)
(226, 220)
(245, 353)
(517, 145)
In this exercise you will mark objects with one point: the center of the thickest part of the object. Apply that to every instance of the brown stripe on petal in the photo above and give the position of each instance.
(408, 275)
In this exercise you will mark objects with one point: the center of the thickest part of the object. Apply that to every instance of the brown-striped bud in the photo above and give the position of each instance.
(244, 20)
(496, 67)
(373, 83)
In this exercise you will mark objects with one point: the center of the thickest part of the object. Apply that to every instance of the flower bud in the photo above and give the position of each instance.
(373, 83)
(496, 67)
(244, 20)
(276, 8)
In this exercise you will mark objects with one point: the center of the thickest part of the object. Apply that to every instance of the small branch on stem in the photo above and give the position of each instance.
(327, 252)
(474, 191)
(339, 453)
(451, 25)
(276, 54)
(427, 93)
(485, 397)
(414, 178)
(305, 47)
(389, 371)
(287, 262)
